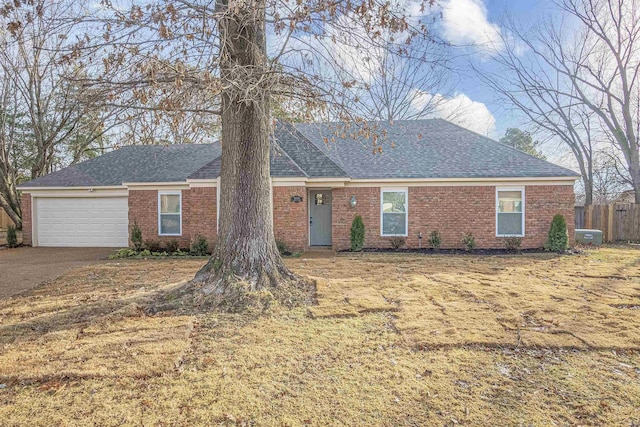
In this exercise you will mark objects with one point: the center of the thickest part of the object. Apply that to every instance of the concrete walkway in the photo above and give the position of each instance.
(25, 268)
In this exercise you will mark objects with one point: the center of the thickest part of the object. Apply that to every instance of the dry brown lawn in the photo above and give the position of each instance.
(394, 340)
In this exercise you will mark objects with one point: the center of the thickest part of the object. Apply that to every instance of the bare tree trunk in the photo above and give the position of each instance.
(12, 208)
(634, 171)
(245, 257)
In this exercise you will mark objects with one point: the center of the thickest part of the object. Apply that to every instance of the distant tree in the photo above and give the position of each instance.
(523, 142)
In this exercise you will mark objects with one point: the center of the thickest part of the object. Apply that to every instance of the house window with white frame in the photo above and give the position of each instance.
(393, 212)
(170, 214)
(510, 212)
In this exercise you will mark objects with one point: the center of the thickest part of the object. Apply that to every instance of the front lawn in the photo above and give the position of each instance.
(394, 340)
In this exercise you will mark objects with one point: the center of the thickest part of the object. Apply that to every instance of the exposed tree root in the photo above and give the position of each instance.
(231, 293)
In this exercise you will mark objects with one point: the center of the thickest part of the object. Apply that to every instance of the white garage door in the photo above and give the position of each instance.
(89, 222)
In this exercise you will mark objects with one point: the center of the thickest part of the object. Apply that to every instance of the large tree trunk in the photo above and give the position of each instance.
(245, 258)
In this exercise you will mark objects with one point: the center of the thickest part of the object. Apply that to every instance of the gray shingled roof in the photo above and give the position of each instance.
(308, 156)
(430, 148)
(281, 166)
(135, 163)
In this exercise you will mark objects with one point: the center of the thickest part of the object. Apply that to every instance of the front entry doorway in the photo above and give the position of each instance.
(319, 217)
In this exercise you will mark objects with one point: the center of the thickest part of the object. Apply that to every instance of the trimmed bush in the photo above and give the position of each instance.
(12, 238)
(397, 242)
(199, 246)
(558, 239)
(512, 243)
(172, 246)
(469, 242)
(283, 248)
(136, 236)
(357, 234)
(435, 240)
(152, 245)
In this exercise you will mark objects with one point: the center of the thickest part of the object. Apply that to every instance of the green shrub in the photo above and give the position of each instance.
(136, 236)
(152, 245)
(435, 240)
(557, 240)
(357, 234)
(199, 246)
(172, 246)
(283, 248)
(12, 238)
(469, 242)
(123, 253)
(397, 242)
(145, 253)
(512, 243)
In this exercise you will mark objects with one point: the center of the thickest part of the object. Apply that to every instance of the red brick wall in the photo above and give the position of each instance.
(290, 219)
(198, 214)
(27, 232)
(543, 202)
(453, 211)
(367, 206)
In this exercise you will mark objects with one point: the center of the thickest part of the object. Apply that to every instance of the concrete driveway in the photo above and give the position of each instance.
(25, 268)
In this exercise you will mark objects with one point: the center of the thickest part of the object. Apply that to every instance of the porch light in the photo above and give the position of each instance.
(353, 201)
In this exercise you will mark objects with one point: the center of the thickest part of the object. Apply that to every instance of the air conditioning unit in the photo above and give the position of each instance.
(589, 237)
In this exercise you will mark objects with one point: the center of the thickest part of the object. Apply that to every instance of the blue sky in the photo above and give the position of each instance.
(467, 22)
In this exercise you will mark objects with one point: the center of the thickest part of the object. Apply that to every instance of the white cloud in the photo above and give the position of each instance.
(465, 22)
(459, 109)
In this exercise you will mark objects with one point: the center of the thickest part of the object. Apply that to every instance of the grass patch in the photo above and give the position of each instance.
(394, 340)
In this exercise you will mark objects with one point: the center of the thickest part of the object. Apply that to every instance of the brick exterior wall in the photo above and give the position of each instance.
(453, 211)
(198, 215)
(367, 206)
(27, 233)
(290, 219)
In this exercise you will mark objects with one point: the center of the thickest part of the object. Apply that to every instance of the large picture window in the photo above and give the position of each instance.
(393, 215)
(510, 212)
(170, 214)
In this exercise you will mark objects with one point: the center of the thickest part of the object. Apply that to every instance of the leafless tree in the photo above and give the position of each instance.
(543, 95)
(608, 181)
(49, 120)
(241, 55)
(578, 83)
(11, 156)
(400, 87)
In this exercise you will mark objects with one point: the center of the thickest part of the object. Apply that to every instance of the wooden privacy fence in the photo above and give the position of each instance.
(618, 221)
(5, 221)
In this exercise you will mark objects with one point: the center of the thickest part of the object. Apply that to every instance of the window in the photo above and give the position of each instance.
(170, 214)
(393, 217)
(319, 199)
(510, 212)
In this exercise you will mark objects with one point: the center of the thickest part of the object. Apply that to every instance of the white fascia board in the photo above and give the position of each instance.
(78, 192)
(83, 188)
(426, 182)
(309, 182)
(202, 182)
(180, 185)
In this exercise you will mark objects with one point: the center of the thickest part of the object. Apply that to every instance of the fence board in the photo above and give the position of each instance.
(618, 222)
(5, 221)
(579, 216)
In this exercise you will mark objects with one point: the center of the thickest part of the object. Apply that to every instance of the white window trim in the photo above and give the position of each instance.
(169, 193)
(524, 207)
(404, 190)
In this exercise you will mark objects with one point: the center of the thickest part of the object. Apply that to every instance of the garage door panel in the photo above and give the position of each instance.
(88, 222)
